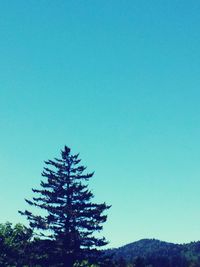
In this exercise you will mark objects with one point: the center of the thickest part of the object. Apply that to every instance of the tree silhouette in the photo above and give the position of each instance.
(71, 219)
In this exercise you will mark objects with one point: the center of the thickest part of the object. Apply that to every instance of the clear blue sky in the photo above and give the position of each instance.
(119, 82)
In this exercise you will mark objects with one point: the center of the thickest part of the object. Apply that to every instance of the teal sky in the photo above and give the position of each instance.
(119, 82)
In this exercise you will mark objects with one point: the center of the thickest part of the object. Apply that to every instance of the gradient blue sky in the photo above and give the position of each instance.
(119, 82)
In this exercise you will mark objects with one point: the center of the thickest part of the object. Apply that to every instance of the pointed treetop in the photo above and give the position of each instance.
(65, 152)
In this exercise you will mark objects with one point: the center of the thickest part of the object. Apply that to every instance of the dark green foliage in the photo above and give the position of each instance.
(147, 248)
(139, 262)
(19, 249)
(71, 218)
(154, 253)
(122, 262)
(14, 244)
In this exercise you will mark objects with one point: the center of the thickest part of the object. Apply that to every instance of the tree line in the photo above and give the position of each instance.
(20, 248)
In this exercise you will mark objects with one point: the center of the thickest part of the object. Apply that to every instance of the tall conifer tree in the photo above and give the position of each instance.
(71, 217)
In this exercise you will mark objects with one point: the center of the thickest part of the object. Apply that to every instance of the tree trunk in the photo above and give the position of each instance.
(68, 261)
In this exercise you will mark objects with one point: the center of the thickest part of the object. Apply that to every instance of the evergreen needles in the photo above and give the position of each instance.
(71, 217)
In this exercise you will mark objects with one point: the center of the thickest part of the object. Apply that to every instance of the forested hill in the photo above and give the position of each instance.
(147, 248)
(154, 249)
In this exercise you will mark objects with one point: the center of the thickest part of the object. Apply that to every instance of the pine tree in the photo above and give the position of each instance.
(71, 218)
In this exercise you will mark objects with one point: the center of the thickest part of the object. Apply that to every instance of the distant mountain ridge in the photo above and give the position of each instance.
(153, 248)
